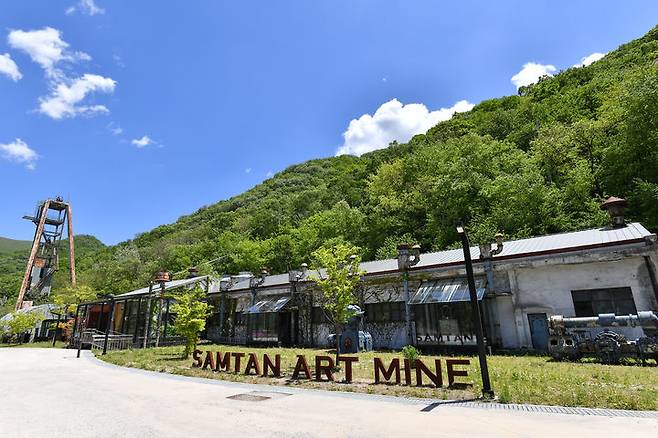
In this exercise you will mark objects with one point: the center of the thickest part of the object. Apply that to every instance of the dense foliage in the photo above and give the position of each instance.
(533, 163)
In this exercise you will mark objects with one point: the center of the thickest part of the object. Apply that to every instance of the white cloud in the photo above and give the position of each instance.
(393, 121)
(269, 174)
(88, 7)
(247, 170)
(64, 99)
(589, 59)
(18, 151)
(142, 142)
(9, 67)
(46, 47)
(531, 72)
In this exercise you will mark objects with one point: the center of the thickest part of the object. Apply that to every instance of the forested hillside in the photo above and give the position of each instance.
(534, 163)
(11, 245)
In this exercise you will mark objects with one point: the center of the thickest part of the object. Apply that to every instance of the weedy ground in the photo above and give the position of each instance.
(515, 379)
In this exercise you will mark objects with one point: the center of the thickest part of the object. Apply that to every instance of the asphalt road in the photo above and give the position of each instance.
(50, 393)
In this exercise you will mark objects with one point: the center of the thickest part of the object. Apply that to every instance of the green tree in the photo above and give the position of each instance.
(191, 314)
(337, 265)
(68, 298)
(21, 322)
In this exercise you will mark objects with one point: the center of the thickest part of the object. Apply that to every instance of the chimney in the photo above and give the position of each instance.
(615, 207)
(162, 277)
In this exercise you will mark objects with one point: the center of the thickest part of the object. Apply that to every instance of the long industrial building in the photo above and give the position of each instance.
(583, 273)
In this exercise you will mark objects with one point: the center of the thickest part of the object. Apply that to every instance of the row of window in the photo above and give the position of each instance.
(590, 302)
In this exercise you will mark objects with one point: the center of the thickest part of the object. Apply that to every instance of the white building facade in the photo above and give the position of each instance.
(585, 273)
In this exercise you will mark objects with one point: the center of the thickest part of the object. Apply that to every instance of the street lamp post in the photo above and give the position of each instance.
(487, 391)
(408, 256)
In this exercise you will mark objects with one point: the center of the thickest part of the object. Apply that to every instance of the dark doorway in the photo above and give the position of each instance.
(285, 338)
(538, 331)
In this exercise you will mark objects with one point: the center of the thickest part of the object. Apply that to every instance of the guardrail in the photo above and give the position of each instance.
(115, 341)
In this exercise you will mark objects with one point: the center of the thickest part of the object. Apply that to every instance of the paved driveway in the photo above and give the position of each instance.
(50, 393)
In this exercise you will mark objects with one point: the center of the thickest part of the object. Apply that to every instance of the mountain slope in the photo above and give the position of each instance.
(11, 245)
(533, 163)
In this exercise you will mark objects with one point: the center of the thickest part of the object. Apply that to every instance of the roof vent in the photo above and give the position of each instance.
(615, 207)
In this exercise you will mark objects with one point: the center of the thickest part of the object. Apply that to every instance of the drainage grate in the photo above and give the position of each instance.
(259, 395)
(547, 409)
(248, 397)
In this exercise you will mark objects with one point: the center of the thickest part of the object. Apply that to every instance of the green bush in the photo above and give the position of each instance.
(410, 352)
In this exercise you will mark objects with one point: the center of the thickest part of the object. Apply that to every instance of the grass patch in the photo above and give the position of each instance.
(42, 344)
(515, 379)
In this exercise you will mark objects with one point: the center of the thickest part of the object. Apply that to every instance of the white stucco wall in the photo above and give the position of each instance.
(547, 289)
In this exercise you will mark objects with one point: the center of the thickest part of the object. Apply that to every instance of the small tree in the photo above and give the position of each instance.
(68, 298)
(22, 322)
(337, 265)
(191, 314)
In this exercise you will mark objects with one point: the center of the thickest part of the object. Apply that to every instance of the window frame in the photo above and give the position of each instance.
(593, 302)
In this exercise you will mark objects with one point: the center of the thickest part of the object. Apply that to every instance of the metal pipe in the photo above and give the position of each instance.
(407, 307)
(81, 329)
(148, 317)
(75, 324)
(139, 309)
(109, 324)
(166, 321)
(487, 391)
(59, 317)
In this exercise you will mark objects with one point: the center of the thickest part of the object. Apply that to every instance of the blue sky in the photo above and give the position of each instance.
(142, 111)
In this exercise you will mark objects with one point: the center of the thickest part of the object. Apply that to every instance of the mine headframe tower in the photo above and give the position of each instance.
(50, 217)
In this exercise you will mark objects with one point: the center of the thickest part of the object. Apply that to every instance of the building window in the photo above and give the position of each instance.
(385, 312)
(592, 302)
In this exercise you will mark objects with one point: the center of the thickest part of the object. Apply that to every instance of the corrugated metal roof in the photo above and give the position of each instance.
(534, 246)
(168, 285)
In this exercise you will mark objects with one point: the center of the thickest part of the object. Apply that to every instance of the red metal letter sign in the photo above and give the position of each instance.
(421, 369)
(223, 362)
(348, 366)
(394, 366)
(268, 365)
(252, 364)
(300, 367)
(321, 369)
(452, 372)
(196, 355)
(209, 361)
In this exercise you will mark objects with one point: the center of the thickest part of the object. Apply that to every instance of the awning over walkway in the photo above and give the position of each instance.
(269, 305)
(449, 290)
